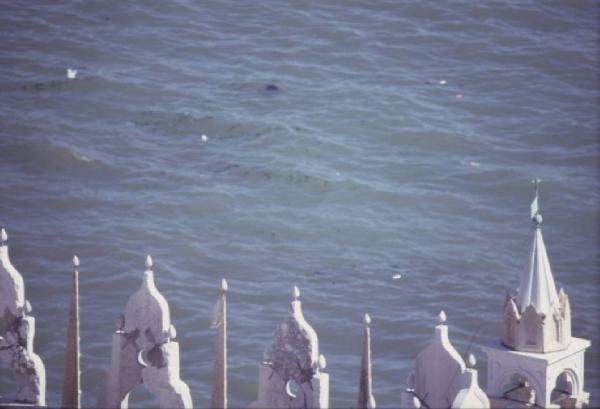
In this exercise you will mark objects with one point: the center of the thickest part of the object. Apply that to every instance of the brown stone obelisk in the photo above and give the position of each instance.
(365, 388)
(71, 397)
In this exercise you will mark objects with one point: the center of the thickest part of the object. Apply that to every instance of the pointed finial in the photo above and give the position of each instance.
(28, 307)
(149, 262)
(471, 361)
(442, 317)
(367, 320)
(296, 293)
(535, 214)
(322, 362)
(224, 285)
(3, 236)
(172, 332)
(75, 261)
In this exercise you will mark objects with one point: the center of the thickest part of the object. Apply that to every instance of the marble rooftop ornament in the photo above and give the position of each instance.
(71, 397)
(537, 359)
(219, 390)
(438, 369)
(366, 400)
(408, 397)
(471, 395)
(441, 379)
(17, 334)
(144, 352)
(292, 375)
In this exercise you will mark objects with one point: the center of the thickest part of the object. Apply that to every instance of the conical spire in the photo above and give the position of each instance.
(537, 284)
(365, 389)
(219, 390)
(71, 382)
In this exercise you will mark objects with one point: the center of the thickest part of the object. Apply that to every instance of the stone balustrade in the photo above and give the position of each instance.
(293, 373)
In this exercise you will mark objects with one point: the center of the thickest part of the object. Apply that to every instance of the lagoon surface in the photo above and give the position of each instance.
(344, 143)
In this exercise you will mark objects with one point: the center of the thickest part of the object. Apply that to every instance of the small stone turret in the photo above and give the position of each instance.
(537, 318)
(537, 361)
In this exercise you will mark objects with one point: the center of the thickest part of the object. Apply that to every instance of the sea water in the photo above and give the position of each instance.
(327, 144)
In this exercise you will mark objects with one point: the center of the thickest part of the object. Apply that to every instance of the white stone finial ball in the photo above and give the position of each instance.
(149, 262)
(442, 317)
(28, 307)
(172, 332)
(538, 219)
(75, 261)
(322, 362)
(416, 402)
(471, 361)
(3, 235)
(367, 319)
(296, 293)
(224, 285)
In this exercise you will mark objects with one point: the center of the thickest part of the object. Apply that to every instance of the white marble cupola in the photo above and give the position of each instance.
(537, 361)
(537, 318)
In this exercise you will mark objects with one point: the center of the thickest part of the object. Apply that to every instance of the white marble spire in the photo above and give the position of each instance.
(219, 390)
(537, 283)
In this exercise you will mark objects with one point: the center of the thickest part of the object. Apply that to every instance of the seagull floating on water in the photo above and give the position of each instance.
(204, 138)
(397, 277)
(71, 73)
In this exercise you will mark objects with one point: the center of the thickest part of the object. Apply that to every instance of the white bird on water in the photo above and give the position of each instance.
(397, 277)
(204, 138)
(71, 73)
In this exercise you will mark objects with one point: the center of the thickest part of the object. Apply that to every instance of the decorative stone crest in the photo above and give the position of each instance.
(292, 375)
(18, 331)
(144, 352)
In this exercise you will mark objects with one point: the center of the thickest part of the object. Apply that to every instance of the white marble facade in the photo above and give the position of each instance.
(16, 340)
(145, 352)
(537, 359)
